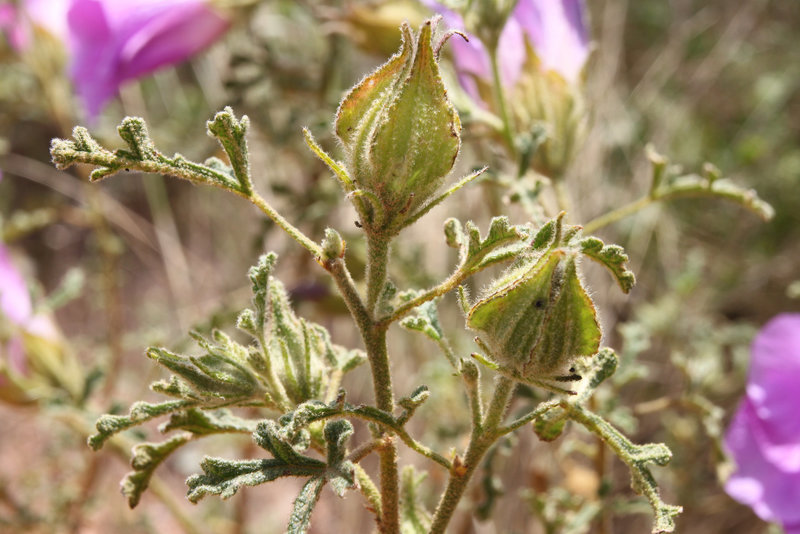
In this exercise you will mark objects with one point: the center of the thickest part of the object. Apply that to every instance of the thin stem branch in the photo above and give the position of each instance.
(618, 214)
(502, 108)
(445, 287)
(366, 448)
(537, 412)
(287, 227)
(480, 442)
(375, 340)
(370, 492)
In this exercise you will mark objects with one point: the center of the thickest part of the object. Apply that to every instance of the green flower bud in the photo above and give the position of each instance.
(400, 133)
(537, 318)
(332, 246)
(544, 98)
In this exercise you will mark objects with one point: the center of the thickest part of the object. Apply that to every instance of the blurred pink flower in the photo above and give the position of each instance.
(555, 28)
(764, 436)
(113, 41)
(10, 26)
(16, 308)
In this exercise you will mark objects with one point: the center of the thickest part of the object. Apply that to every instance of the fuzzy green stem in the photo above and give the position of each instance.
(287, 227)
(370, 491)
(502, 108)
(374, 337)
(480, 442)
(537, 412)
(377, 260)
(445, 287)
(617, 214)
(375, 340)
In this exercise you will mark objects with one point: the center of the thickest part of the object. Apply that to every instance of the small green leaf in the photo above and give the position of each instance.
(411, 403)
(340, 472)
(698, 186)
(133, 131)
(414, 517)
(205, 422)
(595, 371)
(231, 134)
(612, 257)
(300, 519)
(269, 436)
(225, 477)
(146, 458)
(216, 377)
(454, 234)
(142, 155)
(637, 457)
(425, 320)
(544, 236)
(108, 425)
(501, 234)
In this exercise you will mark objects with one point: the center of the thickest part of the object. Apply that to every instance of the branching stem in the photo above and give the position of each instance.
(480, 441)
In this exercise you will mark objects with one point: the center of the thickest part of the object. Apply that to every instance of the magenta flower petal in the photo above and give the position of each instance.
(558, 32)
(13, 27)
(116, 41)
(555, 28)
(764, 436)
(773, 386)
(50, 15)
(770, 491)
(511, 51)
(15, 301)
(16, 307)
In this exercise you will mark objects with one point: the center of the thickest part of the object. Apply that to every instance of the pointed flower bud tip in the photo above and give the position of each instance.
(400, 132)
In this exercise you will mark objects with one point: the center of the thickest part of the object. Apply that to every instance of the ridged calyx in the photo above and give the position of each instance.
(400, 133)
(537, 318)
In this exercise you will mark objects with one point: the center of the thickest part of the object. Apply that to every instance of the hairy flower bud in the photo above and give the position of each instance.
(537, 318)
(400, 133)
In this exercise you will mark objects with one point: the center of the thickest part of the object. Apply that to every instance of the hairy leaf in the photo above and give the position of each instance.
(146, 458)
(108, 425)
(612, 257)
(300, 519)
(204, 422)
(225, 477)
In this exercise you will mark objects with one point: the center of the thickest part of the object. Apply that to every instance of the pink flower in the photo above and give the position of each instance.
(11, 28)
(113, 41)
(764, 436)
(16, 308)
(555, 28)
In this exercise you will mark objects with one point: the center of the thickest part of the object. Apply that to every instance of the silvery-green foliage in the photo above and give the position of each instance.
(536, 321)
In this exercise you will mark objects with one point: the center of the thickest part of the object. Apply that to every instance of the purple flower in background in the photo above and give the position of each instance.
(16, 308)
(764, 436)
(11, 28)
(113, 41)
(555, 28)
